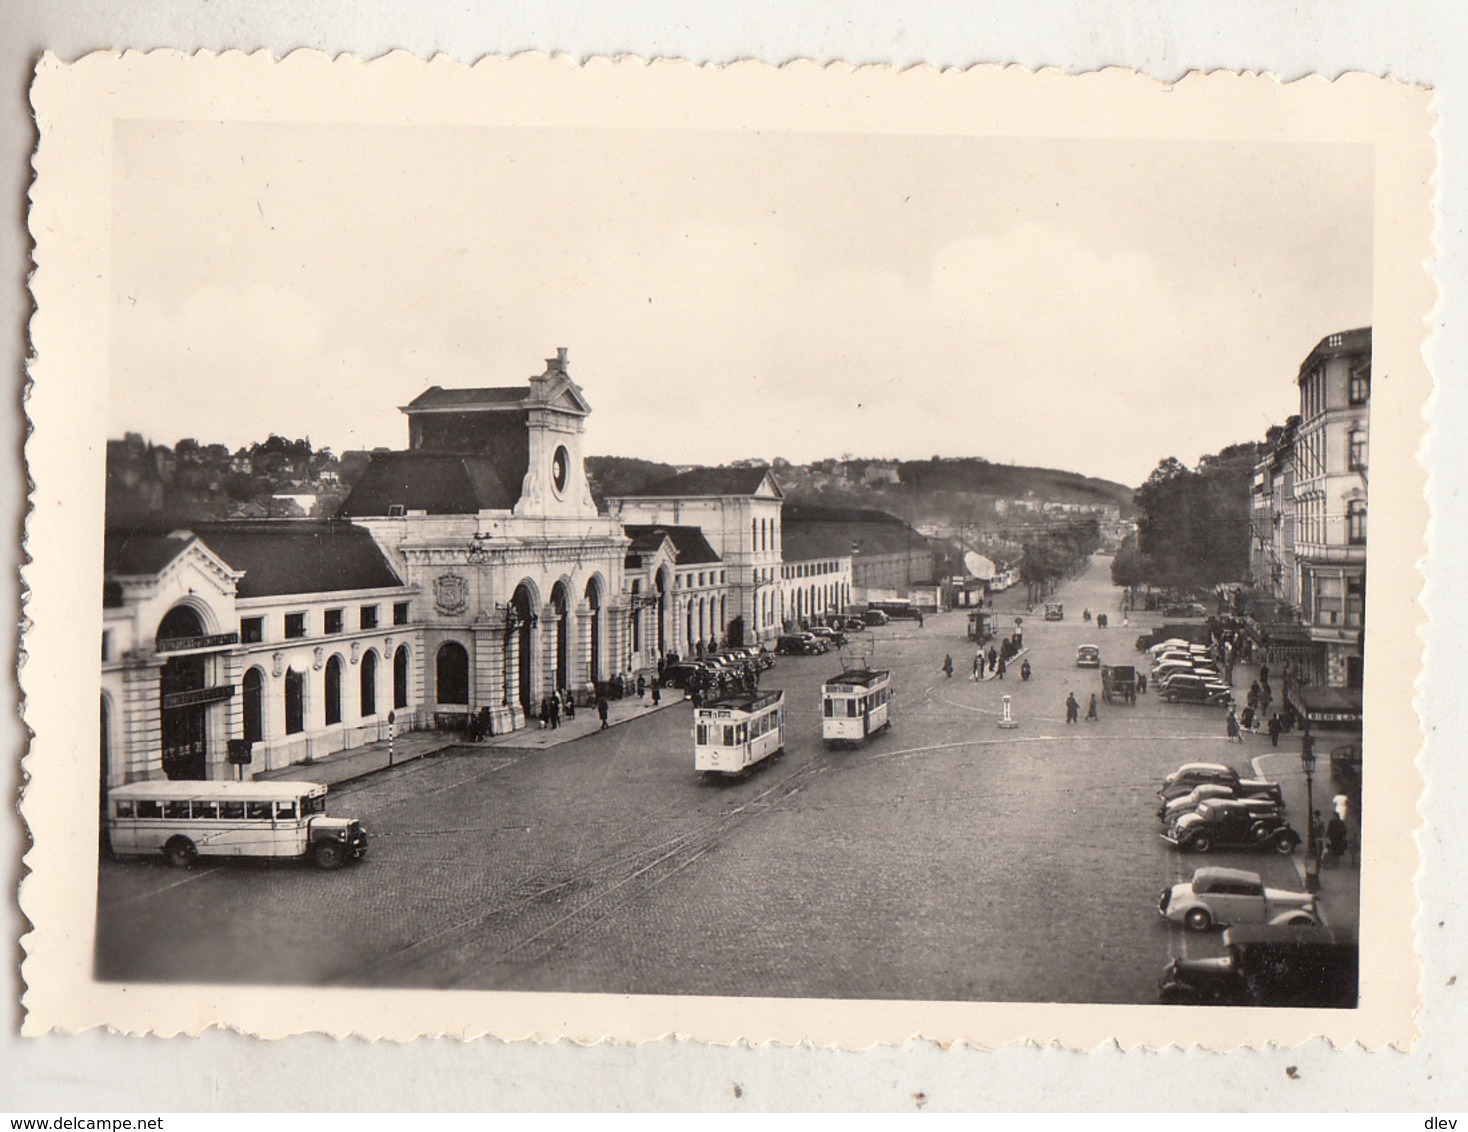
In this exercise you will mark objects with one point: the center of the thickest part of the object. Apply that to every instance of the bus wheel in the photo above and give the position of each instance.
(327, 854)
(180, 852)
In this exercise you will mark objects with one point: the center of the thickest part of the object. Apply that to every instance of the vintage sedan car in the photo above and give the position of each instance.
(875, 617)
(1257, 807)
(1218, 897)
(1196, 689)
(1174, 808)
(834, 638)
(1088, 656)
(1269, 965)
(851, 624)
(1054, 611)
(1225, 824)
(1189, 775)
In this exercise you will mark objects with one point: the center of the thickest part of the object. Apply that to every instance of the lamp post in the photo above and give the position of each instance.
(1312, 849)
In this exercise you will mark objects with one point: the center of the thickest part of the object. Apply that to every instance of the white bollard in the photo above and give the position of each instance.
(1008, 721)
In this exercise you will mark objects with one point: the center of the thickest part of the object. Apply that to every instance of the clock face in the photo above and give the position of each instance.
(560, 469)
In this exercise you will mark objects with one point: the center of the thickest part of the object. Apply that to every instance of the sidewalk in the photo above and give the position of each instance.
(359, 762)
(533, 737)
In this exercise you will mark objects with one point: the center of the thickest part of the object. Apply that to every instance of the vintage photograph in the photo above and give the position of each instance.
(769, 563)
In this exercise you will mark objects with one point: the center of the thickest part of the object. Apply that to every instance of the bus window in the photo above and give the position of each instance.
(316, 805)
(285, 811)
(125, 808)
(149, 810)
(257, 811)
(175, 809)
(234, 810)
(203, 809)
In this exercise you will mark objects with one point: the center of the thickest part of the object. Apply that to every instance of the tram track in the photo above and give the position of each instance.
(544, 912)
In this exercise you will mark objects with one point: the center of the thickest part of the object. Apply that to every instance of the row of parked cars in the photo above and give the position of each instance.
(715, 673)
(1184, 672)
(817, 639)
(1276, 950)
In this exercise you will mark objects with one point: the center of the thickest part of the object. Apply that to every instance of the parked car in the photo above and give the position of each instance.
(1190, 775)
(1225, 824)
(1088, 656)
(875, 617)
(1185, 609)
(1054, 611)
(1269, 965)
(681, 675)
(851, 624)
(799, 644)
(1217, 897)
(1258, 806)
(1205, 792)
(833, 637)
(1196, 689)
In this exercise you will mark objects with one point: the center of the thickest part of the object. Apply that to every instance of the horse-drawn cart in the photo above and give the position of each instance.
(1118, 682)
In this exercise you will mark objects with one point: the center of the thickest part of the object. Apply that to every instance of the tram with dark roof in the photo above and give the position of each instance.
(734, 733)
(856, 705)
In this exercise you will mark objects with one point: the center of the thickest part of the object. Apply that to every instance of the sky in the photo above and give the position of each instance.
(1091, 305)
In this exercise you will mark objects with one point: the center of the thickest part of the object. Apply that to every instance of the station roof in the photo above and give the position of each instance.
(286, 556)
(704, 482)
(693, 549)
(438, 483)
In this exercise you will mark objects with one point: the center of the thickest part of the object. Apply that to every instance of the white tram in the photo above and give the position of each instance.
(733, 733)
(856, 704)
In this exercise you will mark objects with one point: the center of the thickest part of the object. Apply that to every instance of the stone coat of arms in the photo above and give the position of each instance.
(450, 594)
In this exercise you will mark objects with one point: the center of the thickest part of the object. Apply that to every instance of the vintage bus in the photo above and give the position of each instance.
(897, 609)
(856, 705)
(186, 820)
(734, 733)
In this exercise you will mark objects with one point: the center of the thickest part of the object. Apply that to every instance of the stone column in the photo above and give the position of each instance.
(510, 713)
(581, 663)
(226, 720)
(615, 615)
(550, 636)
(140, 751)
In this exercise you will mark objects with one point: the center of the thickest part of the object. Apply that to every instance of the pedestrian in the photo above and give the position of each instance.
(948, 666)
(1024, 670)
(1000, 670)
(978, 664)
(1233, 727)
(1317, 835)
(1246, 719)
(1275, 727)
(1264, 673)
(641, 686)
(603, 709)
(1266, 697)
(555, 710)
(993, 658)
(657, 696)
(1141, 683)
(1092, 714)
(1337, 838)
(1253, 697)
(920, 620)
(1072, 708)
(570, 702)
(544, 714)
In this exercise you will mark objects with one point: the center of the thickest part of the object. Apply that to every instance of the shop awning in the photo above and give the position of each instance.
(1328, 709)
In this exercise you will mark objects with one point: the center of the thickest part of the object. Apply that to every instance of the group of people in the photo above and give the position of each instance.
(559, 703)
(1073, 709)
(1101, 621)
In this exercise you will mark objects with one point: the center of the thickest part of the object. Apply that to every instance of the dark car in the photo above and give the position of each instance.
(1189, 775)
(682, 675)
(1187, 688)
(1231, 824)
(851, 624)
(1269, 965)
(831, 636)
(798, 644)
(875, 617)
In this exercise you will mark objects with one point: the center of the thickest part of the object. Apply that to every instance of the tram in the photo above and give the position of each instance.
(733, 733)
(856, 704)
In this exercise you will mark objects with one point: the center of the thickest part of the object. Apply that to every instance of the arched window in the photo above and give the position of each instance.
(369, 684)
(333, 690)
(453, 674)
(254, 704)
(400, 677)
(295, 702)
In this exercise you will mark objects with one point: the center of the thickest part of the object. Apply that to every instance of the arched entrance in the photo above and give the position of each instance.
(521, 621)
(593, 599)
(184, 725)
(452, 683)
(561, 604)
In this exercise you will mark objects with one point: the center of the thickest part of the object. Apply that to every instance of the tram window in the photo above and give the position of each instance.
(149, 810)
(830, 706)
(851, 709)
(286, 811)
(258, 811)
(703, 735)
(728, 735)
(175, 809)
(125, 808)
(235, 810)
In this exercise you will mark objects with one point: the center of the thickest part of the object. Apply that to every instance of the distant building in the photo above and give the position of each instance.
(886, 554)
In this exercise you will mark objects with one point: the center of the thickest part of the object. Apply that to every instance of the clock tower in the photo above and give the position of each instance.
(555, 484)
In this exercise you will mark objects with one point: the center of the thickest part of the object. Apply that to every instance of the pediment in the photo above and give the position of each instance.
(564, 395)
(198, 565)
(768, 488)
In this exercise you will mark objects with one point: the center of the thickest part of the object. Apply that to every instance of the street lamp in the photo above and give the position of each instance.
(1312, 849)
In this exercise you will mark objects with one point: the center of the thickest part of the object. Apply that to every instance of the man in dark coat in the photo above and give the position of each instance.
(603, 709)
(1072, 708)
